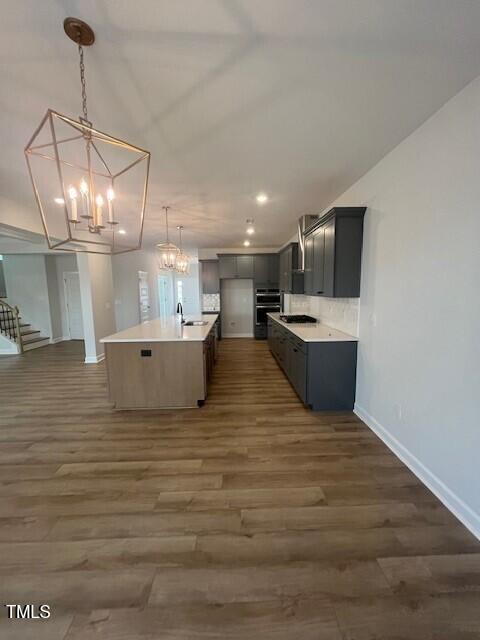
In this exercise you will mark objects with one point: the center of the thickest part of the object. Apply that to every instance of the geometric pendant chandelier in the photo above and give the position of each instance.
(183, 260)
(167, 252)
(90, 187)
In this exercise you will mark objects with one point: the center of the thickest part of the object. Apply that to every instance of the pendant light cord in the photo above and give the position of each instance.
(82, 81)
(166, 221)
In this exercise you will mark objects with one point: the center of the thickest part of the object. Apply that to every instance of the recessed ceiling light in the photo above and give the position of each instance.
(246, 243)
(250, 231)
(122, 231)
(262, 198)
(59, 200)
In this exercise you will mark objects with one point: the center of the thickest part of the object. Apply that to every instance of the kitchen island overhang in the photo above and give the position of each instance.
(161, 364)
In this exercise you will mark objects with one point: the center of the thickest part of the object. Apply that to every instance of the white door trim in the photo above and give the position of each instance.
(66, 296)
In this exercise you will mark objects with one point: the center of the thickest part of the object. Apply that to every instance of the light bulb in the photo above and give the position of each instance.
(262, 198)
(246, 243)
(59, 200)
(122, 231)
(83, 187)
(250, 231)
(110, 194)
(72, 193)
(99, 200)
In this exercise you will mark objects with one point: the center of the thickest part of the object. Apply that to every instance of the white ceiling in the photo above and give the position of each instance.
(297, 98)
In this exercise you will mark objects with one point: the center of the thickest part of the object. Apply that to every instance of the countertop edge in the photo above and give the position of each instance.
(291, 327)
(211, 319)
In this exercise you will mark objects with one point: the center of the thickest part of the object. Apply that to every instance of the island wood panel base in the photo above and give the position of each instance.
(173, 375)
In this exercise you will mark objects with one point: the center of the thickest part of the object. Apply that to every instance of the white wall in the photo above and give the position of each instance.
(191, 289)
(125, 278)
(237, 308)
(26, 283)
(418, 379)
(96, 290)
(125, 269)
(7, 347)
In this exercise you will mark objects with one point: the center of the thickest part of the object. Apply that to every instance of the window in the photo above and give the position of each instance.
(180, 291)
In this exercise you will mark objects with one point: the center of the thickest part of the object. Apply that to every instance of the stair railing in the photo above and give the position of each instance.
(10, 323)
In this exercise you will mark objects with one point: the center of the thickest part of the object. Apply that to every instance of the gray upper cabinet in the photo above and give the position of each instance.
(266, 270)
(333, 254)
(273, 270)
(308, 273)
(261, 266)
(290, 280)
(236, 266)
(318, 280)
(227, 266)
(210, 276)
(244, 266)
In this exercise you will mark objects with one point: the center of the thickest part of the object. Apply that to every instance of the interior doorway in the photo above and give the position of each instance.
(73, 305)
(143, 296)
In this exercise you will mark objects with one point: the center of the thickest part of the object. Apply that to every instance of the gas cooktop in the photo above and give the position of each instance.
(300, 319)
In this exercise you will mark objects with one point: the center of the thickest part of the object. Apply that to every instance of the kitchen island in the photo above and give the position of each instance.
(161, 363)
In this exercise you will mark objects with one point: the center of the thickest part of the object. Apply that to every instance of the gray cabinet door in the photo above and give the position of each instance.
(281, 271)
(329, 259)
(318, 261)
(273, 270)
(210, 279)
(261, 269)
(299, 372)
(245, 267)
(308, 274)
(227, 266)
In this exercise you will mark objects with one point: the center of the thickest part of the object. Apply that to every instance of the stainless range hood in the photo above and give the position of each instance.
(304, 222)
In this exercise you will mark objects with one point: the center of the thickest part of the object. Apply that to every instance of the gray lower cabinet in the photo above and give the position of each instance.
(322, 373)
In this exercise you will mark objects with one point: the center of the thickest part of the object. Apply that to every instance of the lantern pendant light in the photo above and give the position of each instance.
(168, 252)
(183, 261)
(90, 187)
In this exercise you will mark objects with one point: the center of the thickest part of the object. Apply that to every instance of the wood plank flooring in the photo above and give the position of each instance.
(251, 517)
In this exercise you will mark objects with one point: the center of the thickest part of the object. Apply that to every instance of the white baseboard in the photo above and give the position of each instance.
(94, 359)
(456, 505)
(9, 352)
(237, 335)
(61, 339)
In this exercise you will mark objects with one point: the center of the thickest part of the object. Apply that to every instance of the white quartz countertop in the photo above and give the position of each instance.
(310, 332)
(165, 330)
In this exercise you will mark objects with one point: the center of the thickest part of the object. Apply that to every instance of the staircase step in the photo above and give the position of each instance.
(41, 341)
(27, 331)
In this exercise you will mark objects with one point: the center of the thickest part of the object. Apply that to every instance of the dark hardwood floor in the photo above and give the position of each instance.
(249, 518)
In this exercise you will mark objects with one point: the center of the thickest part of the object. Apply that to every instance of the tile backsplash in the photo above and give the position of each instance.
(338, 313)
(211, 302)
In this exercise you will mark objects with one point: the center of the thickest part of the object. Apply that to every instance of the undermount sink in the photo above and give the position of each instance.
(195, 323)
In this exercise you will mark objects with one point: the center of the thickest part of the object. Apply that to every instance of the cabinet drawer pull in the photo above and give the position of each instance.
(319, 291)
